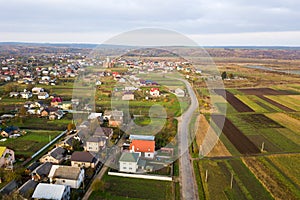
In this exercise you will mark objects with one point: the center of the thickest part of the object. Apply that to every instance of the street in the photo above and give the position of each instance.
(189, 189)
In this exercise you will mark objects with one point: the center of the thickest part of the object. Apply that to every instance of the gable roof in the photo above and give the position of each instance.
(65, 172)
(49, 191)
(43, 169)
(28, 186)
(83, 156)
(129, 157)
(58, 153)
(142, 146)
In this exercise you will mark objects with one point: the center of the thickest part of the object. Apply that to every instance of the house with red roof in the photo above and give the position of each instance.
(146, 148)
(154, 92)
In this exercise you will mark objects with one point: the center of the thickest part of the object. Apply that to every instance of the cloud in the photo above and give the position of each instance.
(114, 16)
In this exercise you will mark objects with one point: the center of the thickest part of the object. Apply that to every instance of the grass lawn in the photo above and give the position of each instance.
(130, 188)
(30, 143)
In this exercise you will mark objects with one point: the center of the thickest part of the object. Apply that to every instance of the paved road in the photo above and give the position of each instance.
(189, 189)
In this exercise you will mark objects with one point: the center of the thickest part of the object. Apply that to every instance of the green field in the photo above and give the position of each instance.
(245, 185)
(290, 101)
(30, 143)
(118, 188)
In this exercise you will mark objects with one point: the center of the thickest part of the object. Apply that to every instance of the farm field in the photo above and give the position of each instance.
(273, 178)
(235, 102)
(290, 101)
(132, 188)
(218, 184)
(236, 137)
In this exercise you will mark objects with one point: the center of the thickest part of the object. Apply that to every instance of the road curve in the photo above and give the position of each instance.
(189, 188)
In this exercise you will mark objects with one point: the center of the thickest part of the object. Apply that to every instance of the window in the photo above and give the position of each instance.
(63, 181)
(149, 154)
(130, 168)
(124, 168)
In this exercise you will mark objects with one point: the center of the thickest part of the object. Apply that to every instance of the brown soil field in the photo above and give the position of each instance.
(235, 102)
(209, 140)
(282, 107)
(241, 142)
(263, 91)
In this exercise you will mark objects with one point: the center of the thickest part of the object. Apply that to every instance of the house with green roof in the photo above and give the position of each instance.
(128, 162)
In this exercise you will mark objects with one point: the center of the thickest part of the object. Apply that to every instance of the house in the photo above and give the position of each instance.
(154, 92)
(179, 92)
(8, 131)
(32, 167)
(56, 101)
(66, 175)
(56, 115)
(56, 156)
(83, 159)
(26, 94)
(127, 96)
(37, 90)
(43, 95)
(115, 117)
(145, 147)
(13, 94)
(95, 144)
(41, 172)
(128, 162)
(51, 191)
(104, 132)
(27, 189)
(67, 143)
(7, 157)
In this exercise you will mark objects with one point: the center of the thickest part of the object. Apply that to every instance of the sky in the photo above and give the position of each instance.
(207, 22)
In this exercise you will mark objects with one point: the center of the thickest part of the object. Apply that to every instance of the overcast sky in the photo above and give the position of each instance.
(208, 22)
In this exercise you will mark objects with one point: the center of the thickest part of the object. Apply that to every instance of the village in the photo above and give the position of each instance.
(75, 157)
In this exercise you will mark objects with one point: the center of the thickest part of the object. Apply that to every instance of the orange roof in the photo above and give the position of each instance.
(142, 146)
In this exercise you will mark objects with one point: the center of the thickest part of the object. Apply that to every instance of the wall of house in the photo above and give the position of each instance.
(93, 146)
(72, 183)
(149, 155)
(49, 159)
(128, 167)
(82, 164)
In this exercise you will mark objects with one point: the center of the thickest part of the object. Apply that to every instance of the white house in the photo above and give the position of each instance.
(43, 95)
(154, 92)
(13, 94)
(51, 191)
(26, 94)
(95, 144)
(37, 90)
(128, 162)
(179, 92)
(66, 175)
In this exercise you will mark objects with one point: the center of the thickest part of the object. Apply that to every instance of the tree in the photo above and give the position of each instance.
(98, 185)
(231, 76)
(224, 75)
(22, 111)
(71, 126)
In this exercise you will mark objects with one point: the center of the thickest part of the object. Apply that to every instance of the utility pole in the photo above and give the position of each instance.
(262, 147)
(231, 181)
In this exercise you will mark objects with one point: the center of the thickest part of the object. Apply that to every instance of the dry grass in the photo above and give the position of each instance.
(211, 144)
